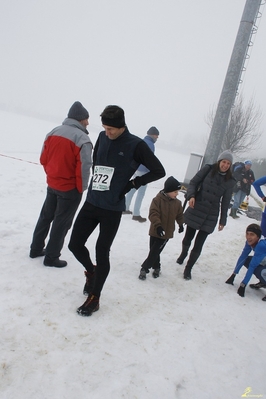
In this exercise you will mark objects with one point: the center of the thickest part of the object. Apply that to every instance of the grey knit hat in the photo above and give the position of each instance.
(78, 112)
(226, 155)
(153, 131)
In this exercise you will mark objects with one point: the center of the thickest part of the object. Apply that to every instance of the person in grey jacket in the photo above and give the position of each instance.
(66, 158)
(208, 194)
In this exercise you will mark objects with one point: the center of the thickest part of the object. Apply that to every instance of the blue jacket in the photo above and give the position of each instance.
(150, 142)
(257, 184)
(259, 258)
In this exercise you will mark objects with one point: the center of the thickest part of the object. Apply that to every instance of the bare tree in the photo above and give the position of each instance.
(243, 129)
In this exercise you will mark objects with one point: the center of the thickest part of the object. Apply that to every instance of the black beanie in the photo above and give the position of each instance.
(171, 184)
(113, 116)
(78, 112)
(153, 131)
(255, 228)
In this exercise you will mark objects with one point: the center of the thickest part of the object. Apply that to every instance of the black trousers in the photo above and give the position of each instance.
(199, 240)
(87, 220)
(59, 208)
(153, 259)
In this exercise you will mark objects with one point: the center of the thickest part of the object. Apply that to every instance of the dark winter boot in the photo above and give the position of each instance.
(233, 213)
(156, 273)
(35, 254)
(90, 279)
(92, 304)
(192, 260)
(54, 262)
(142, 274)
(183, 254)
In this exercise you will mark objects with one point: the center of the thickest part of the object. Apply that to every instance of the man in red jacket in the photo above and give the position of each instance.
(66, 158)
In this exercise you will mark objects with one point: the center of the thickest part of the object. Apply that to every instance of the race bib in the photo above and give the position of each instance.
(102, 178)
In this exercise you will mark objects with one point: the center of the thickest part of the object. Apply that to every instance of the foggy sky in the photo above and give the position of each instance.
(164, 62)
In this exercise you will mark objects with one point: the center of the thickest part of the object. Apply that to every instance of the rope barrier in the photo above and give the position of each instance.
(19, 159)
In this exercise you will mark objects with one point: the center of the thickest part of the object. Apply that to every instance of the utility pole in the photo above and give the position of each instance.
(232, 80)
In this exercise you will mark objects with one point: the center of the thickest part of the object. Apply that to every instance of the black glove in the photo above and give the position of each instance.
(241, 290)
(231, 279)
(160, 231)
(264, 199)
(128, 187)
(181, 228)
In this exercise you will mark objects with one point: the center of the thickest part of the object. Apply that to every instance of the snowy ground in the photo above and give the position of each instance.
(159, 338)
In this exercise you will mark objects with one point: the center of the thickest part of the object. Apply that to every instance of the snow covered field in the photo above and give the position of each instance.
(159, 338)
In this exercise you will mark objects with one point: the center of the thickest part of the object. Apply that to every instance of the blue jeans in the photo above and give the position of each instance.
(140, 195)
(238, 199)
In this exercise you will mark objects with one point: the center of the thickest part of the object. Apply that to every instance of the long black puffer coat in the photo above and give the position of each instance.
(213, 197)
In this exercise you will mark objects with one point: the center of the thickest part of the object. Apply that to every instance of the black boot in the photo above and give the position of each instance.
(183, 254)
(54, 262)
(190, 263)
(233, 213)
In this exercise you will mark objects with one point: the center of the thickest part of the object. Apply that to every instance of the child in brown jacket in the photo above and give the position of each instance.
(165, 210)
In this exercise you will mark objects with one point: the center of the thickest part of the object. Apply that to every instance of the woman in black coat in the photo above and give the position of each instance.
(208, 194)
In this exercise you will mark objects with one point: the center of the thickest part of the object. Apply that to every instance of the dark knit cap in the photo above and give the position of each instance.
(153, 131)
(171, 184)
(78, 112)
(113, 116)
(255, 228)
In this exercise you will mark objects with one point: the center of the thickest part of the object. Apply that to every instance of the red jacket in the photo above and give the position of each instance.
(66, 157)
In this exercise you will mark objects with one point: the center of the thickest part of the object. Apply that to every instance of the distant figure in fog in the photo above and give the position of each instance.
(244, 178)
(150, 140)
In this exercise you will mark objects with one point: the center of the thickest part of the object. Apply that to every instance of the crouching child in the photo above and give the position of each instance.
(255, 264)
(165, 210)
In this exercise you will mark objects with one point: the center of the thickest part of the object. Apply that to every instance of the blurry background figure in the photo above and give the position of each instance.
(150, 140)
(244, 178)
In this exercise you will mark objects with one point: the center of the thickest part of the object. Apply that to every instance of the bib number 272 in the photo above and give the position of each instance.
(102, 178)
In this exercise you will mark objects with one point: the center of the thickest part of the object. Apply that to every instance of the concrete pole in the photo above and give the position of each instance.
(231, 82)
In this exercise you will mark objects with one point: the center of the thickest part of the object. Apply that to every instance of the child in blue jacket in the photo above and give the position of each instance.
(257, 185)
(255, 264)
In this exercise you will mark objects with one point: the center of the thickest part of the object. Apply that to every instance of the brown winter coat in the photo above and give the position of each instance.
(165, 211)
